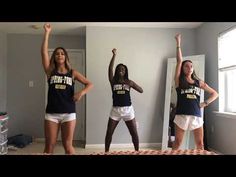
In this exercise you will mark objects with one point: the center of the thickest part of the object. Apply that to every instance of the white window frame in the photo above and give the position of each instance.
(223, 87)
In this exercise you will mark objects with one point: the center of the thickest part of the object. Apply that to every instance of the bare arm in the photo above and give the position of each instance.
(111, 65)
(44, 49)
(211, 91)
(136, 86)
(179, 59)
(88, 85)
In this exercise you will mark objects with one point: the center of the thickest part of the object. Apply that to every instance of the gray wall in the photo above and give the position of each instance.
(25, 105)
(145, 52)
(220, 129)
(3, 73)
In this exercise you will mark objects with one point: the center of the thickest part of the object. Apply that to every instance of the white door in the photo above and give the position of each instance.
(171, 97)
(77, 60)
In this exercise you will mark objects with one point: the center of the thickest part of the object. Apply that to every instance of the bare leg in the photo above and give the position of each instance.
(51, 130)
(67, 133)
(198, 137)
(131, 124)
(179, 134)
(110, 130)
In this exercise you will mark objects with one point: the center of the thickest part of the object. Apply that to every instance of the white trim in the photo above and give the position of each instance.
(141, 145)
(68, 50)
(227, 68)
(101, 146)
(225, 114)
(39, 140)
(145, 24)
(42, 140)
(226, 31)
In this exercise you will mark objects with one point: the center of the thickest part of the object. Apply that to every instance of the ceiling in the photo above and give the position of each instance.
(78, 28)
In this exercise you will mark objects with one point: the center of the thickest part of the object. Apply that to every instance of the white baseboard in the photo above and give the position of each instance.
(42, 140)
(101, 146)
(39, 140)
(141, 145)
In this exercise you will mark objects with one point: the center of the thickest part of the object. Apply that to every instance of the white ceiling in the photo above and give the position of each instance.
(78, 28)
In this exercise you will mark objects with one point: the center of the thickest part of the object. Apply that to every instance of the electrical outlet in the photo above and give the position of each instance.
(31, 83)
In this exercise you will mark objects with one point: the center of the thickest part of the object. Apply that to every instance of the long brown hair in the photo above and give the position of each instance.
(53, 64)
(183, 83)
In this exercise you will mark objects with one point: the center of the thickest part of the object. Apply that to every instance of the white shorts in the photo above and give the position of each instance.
(188, 122)
(125, 112)
(60, 118)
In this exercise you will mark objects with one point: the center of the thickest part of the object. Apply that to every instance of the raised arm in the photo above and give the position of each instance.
(135, 86)
(44, 49)
(88, 85)
(111, 65)
(213, 94)
(179, 59)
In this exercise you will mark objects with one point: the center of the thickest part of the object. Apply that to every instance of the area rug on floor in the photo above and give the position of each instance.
(159, 152)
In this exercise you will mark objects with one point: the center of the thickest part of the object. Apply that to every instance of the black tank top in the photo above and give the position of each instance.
(60, 93)
(188, 100)
(121, 95)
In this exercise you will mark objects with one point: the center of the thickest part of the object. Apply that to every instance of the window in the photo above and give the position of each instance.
(227, 71)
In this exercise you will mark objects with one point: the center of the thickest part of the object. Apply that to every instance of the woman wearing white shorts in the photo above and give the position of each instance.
(188, 111)
(60, 111)
(122, 107)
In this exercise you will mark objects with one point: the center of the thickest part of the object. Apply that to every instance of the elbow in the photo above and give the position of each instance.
(91, 85)
(215, 95)
(141, 90)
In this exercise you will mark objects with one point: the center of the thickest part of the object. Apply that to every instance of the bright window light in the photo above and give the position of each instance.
(227, 71)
